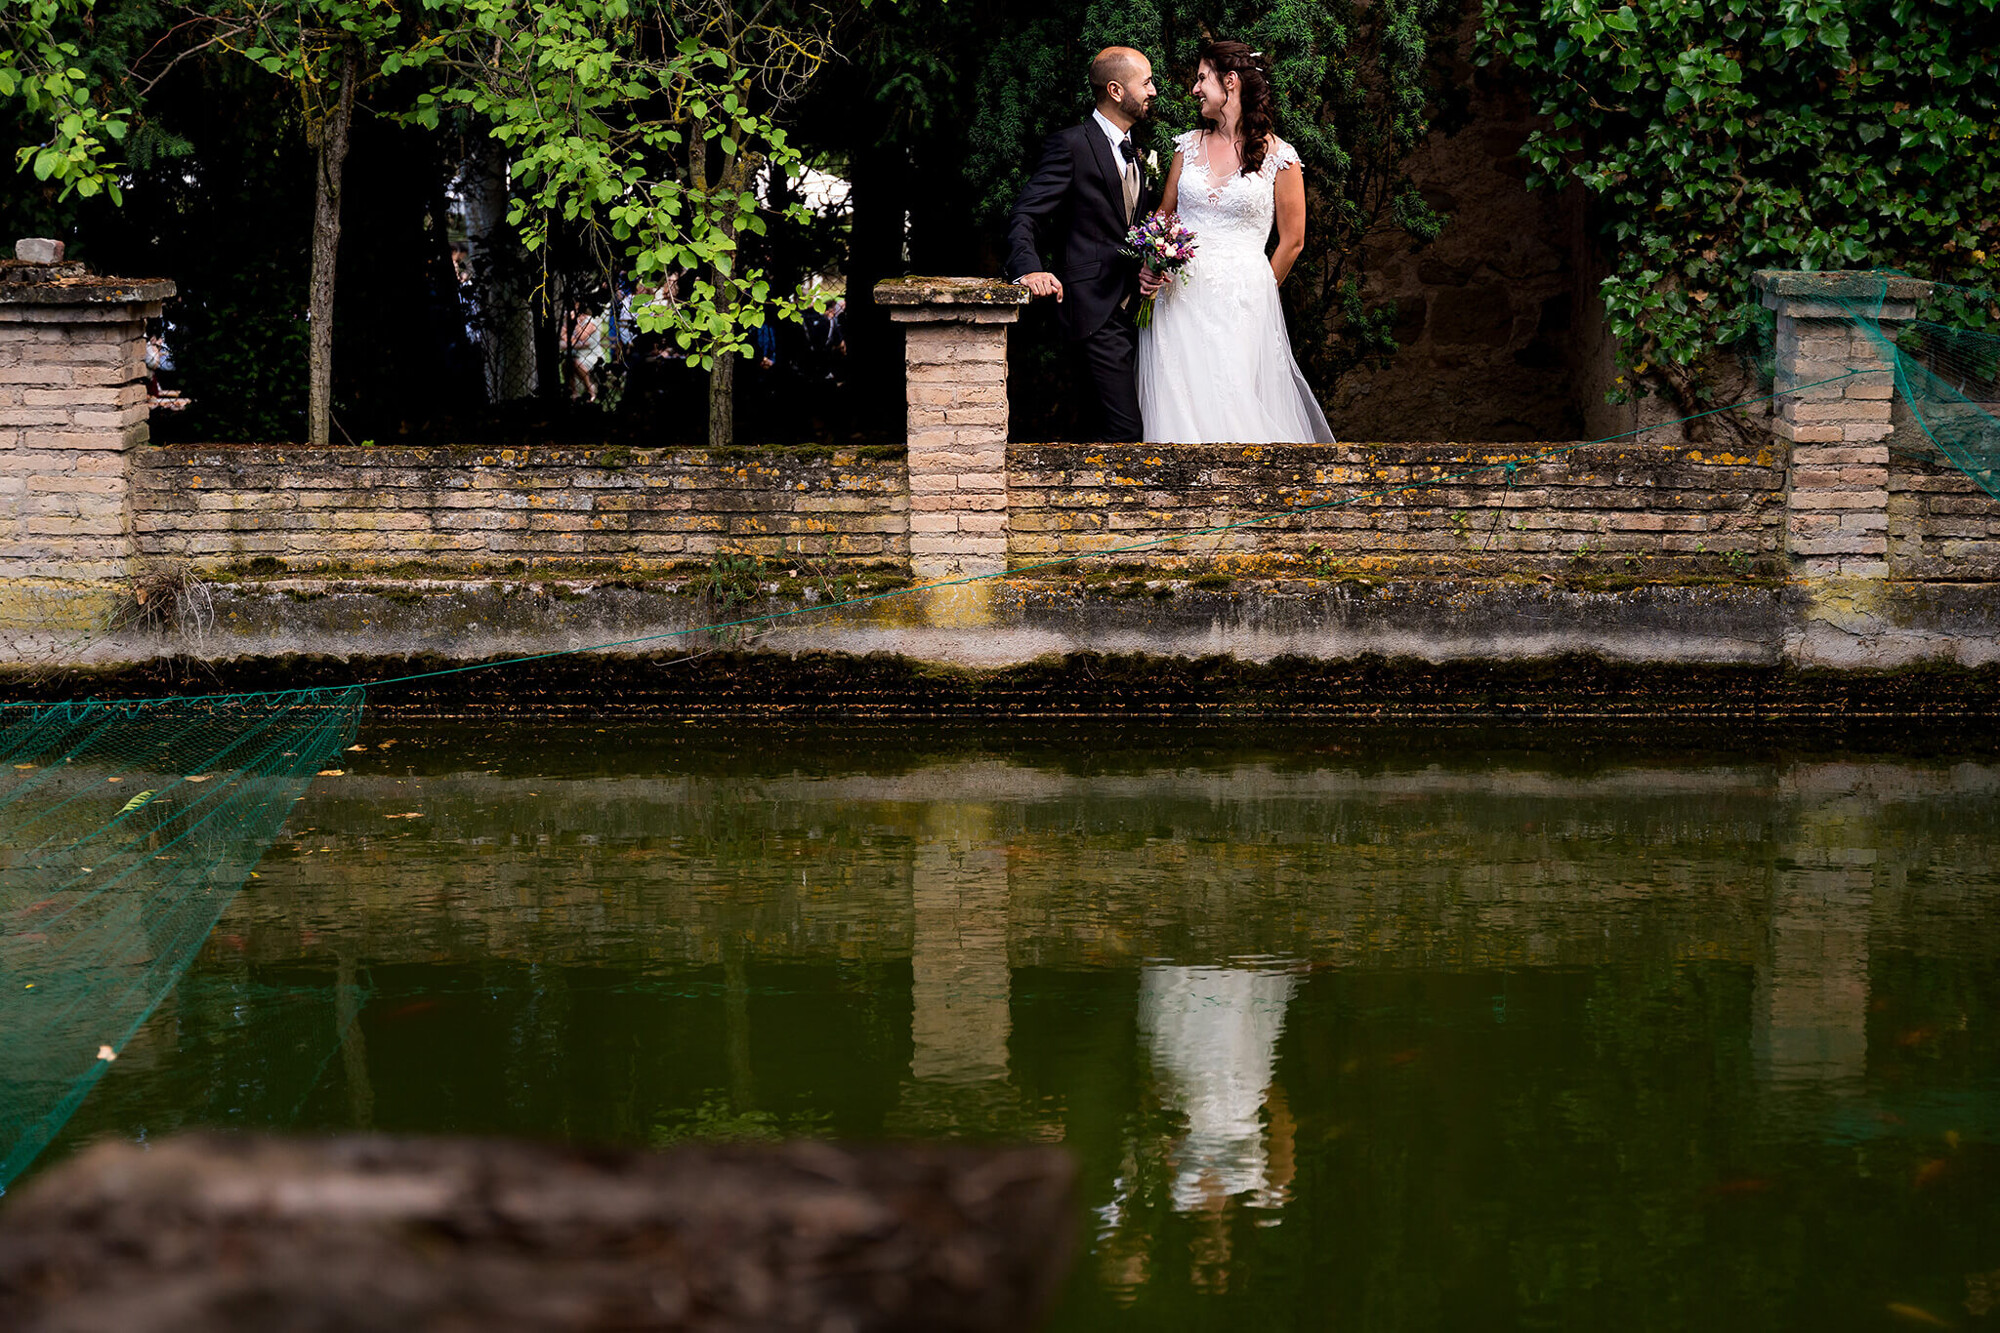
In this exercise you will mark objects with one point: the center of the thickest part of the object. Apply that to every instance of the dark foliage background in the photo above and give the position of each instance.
(935, 113)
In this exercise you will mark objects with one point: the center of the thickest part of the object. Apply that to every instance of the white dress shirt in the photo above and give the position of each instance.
(1127, 171)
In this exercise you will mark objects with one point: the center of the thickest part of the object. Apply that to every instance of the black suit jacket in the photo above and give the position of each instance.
(1076, 201)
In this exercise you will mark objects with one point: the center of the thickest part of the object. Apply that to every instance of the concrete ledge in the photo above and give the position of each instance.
(1009, 623)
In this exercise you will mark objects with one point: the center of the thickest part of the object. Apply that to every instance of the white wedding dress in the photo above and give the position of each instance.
(1216, 365)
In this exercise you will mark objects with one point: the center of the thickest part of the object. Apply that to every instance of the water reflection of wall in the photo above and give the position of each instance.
(959, 982)
(1810, 1024)
(1436, 868)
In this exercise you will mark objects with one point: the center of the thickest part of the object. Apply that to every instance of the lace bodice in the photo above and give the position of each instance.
(1233, 213)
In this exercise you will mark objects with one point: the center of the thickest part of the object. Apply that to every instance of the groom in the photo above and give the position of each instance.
(1090, 187)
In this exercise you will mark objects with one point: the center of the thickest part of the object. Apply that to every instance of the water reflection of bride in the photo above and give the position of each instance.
(1212, 1033)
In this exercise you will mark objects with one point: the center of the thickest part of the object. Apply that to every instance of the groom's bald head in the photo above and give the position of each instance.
(1120, 65)
(1122, 79)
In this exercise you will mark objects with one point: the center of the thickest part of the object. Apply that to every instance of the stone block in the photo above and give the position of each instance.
(104, 525)
(1840, 500)
(1838, 454)
(39, 250)
(1840, 543)
(1848, 477)
(72, 484)
(1839, 410)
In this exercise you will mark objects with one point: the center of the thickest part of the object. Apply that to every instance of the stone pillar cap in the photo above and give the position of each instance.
(24, 283)
(949, 292)
(1780, 284)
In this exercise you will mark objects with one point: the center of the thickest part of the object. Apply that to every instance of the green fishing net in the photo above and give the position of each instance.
(1943, 344)
(125, 831)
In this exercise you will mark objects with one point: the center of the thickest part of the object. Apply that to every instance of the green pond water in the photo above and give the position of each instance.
(1376, 1034)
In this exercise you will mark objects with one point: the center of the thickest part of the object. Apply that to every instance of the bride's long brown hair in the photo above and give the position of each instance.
(1253, 92)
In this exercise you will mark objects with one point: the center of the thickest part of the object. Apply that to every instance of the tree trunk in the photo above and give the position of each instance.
(722, 401)
(722, 377)
(505, 321)
(326, 249)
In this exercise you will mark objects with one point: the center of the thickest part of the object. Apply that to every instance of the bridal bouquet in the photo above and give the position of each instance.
(1162, 244)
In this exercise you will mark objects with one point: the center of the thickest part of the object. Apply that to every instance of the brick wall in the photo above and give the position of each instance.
(1942, 527)
(72, 407)
(479, 511)
(1661, 507)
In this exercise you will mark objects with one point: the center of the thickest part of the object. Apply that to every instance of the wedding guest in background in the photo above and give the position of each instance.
(583, 346)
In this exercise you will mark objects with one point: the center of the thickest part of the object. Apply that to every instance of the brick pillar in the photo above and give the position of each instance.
(955, 353)
(72, 408)
(1838, 484)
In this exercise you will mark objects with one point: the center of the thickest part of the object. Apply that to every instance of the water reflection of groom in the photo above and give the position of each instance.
(1086, 192)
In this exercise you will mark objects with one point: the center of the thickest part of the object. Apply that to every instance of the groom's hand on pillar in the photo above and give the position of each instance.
(1042, 284)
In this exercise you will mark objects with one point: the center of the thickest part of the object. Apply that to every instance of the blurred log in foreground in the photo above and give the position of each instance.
(227, 1235)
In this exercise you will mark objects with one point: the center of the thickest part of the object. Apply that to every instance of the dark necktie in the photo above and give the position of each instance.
(1128, 175)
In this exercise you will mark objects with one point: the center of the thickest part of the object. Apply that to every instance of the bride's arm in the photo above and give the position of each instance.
(1170, 198)
(1291, 198)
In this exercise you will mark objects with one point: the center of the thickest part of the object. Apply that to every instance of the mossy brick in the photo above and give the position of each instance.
(1976, 504)
(835, 504)
(493, 479)
(683, 523)
(210, 502)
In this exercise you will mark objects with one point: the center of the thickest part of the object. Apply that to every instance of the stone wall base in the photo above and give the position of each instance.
(1856, 624)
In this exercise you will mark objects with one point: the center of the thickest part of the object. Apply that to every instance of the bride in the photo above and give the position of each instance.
(1215, 365)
